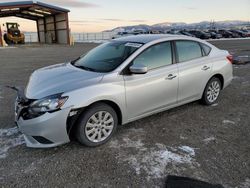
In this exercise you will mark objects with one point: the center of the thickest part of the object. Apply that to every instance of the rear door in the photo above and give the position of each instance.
(194, 67)
(157, 88)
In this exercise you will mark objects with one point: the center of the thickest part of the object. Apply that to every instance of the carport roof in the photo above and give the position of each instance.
(32, 10)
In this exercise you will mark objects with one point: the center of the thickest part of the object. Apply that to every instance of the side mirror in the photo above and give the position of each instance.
(138, 69)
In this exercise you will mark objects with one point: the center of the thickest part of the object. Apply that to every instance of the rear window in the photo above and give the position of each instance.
(206, 49)
(188, 50)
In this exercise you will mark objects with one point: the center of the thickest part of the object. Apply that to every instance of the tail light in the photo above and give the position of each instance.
(230, 58)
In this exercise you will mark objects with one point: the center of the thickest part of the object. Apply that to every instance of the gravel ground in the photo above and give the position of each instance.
(206, 143)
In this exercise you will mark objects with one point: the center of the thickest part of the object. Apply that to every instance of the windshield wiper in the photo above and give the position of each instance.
(86, 68)
(73, 61)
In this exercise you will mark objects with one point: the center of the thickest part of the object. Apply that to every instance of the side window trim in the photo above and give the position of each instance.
(176, 51)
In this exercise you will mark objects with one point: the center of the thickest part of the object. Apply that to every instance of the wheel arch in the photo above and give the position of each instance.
(71, 123)
(114, 105)
(220, 77)
(217, 75)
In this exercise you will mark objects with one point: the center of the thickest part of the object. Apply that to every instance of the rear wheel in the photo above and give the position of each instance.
(97, 125)
(212, 91)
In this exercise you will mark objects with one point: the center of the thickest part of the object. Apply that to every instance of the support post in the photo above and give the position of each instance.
(68, 31)
(55, 29)
(1, 37)
(38, 31)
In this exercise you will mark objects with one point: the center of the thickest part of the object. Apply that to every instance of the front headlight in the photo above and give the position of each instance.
(47, 104)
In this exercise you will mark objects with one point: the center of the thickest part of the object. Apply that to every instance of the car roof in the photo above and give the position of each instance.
(146, 38)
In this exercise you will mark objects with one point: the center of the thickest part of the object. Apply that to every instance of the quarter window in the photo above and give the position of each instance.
(206, 49)
(156, 56)
(188, 50)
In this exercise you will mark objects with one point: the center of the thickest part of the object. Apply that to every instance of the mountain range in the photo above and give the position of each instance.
(182, 25)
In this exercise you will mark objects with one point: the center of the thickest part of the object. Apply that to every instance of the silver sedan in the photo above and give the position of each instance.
(118, 82)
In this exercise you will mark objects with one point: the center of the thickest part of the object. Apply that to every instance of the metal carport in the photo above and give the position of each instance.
(52, 21)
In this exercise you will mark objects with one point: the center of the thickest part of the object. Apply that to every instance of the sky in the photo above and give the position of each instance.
(99, 15)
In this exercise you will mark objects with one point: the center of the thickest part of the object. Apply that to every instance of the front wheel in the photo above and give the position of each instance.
(212, 91)
(97, 125)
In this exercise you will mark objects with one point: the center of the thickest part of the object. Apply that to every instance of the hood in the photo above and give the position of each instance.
(58, 79)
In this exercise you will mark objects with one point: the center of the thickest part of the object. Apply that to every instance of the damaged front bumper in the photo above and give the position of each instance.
(48, 130)
(44, 131)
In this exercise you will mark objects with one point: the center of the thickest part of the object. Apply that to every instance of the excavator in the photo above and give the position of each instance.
(13, 35)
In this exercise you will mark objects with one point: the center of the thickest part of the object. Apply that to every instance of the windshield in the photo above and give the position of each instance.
(106, 57)
(11, 25)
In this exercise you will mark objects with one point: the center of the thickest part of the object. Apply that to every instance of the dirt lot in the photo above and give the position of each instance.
(206, 143)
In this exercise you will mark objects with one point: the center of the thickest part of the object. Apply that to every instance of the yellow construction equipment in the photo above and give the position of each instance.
(13, 34)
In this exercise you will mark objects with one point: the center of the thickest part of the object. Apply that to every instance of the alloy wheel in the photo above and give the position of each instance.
(99, 126)
(213, 91)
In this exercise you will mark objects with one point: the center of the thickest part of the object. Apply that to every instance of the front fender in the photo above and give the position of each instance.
(83, 97)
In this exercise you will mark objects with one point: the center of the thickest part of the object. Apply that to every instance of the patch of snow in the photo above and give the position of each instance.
(9, 138)
(134, 130)
(245, 184)
(228, 122)
(8, 132)
(209, 139)
(30, 168)
(236, 77)
(154, 160)
(188, 150)
(245, 83)
(183, 137)
(127, 143)
(215, 104)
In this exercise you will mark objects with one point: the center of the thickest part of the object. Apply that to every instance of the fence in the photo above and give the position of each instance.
(92, 37)
(32, 37)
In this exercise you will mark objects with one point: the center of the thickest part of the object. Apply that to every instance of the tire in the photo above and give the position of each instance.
(212, 91)
(91, 125)
(6, 39)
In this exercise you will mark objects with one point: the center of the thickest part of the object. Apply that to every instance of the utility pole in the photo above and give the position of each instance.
(1, 38)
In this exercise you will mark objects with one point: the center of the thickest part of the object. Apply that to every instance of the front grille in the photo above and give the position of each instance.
(22, 108)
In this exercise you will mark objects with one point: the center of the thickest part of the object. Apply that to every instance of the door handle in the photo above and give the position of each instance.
(205, 68)
(171, 77)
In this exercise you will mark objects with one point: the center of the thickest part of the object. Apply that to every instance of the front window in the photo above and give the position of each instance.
(106, 57)
(156, 56)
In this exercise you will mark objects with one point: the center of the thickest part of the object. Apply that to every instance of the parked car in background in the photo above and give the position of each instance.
(200, 34)
(227, 34)
(155, 32)
(247, 32)
(239, 33)
(173, 32)
(138, 32)
(184, 32)
(214, 34)
(118, 82)
(122, 34)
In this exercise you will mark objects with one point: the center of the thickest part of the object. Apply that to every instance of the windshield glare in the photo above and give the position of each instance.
(107, 57)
